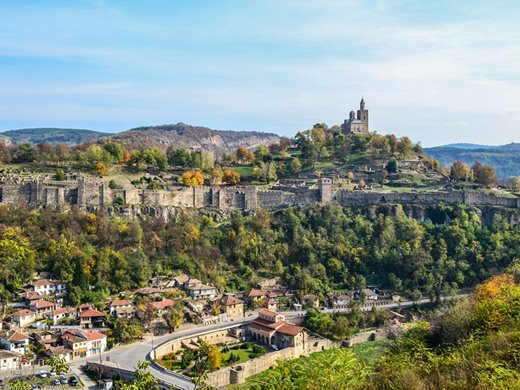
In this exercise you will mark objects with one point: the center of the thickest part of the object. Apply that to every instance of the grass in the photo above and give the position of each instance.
(242, 171)
(371, 351)
(244, 354)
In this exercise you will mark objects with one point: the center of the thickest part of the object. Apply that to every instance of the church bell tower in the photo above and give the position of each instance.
(362, 113)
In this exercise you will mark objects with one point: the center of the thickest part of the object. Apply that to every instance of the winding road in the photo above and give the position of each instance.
(128, 356)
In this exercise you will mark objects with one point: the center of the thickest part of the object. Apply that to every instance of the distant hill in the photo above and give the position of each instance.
(196, 137)
(505, 158)
(54, 135)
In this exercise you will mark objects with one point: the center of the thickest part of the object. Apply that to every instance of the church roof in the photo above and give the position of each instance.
(355, 121)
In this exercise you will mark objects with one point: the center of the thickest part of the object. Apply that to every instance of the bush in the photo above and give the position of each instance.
(257, 349)
(246, 345)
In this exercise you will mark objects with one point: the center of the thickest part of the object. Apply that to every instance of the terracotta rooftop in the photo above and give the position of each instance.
(41, 282)
(42, 304)
(255, 293)
(59, 311)
(8, 354)
(262, 328)
(267, 312)
(91, 313)
(16, 336)
(290, 329)
(24, 312)
(229, 300)
(120, 302)
(162, 304)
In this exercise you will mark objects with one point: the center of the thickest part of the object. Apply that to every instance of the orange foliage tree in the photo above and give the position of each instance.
(231, 177)
(493, 286)
(193, 178)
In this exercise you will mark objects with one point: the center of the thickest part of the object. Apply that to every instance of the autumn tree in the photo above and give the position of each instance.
(243, 155)
(231, 176)
(174, 316)
(484, 174)
(460, 171)
(100, 168)
(193, 178)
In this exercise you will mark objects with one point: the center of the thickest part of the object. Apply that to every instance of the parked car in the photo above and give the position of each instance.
(51, 373)
(73, 381)
(64, 380)
(42, 374)
(55, 381)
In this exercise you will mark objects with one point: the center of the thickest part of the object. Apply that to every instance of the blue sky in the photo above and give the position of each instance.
(437, 71)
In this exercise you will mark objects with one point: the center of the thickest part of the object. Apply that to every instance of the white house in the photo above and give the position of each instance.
(9, 360)
(24, 317)
(48, 286)
(201, 291)
(121, 308)
(15, 341)
(84, 343)
(59, 314)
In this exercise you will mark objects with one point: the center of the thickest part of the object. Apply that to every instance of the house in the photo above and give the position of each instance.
(311, 301)
(196, 306)
(121, 308)
(84, 343)
(148, 291)
(179, 280)
(201, 291)
(163, 305)
(268, 284)
(341, 300)
(91, 318)
(271, 304)
(9, 360)
(48, 286)
(59, 314)
(45, 339)
(24, 317)
(255, 295)
(232, 306)
(15, 341)
(41, 308)
(367, 294)
(32, 297)
(271, 329)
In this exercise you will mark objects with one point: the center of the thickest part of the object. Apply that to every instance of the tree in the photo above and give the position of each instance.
(214, 357)
(193, 178)
(20, 385)
(174, 316)
(231, 177)
(484, 174)
(143, 379)
(17, 258)
(100, 168)
(296, 165)
(460, 171)
(58, 364)
(126, 331)
(243, 155)
(391, 166)
(515, 183)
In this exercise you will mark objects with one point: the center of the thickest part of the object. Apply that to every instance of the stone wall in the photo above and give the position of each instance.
(93, 194)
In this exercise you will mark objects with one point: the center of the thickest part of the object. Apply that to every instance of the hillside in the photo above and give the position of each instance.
(505, 158)
(53, 135)
(196, 137)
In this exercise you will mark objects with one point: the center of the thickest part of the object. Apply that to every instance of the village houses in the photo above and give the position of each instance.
(15, 341)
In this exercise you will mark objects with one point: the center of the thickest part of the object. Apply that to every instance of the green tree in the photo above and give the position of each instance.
(174, 316)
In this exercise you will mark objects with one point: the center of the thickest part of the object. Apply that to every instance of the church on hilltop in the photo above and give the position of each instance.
(356, 124)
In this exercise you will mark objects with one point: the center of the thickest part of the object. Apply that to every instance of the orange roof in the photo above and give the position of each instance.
(17, 336)
(229, 300)
(93, 335)
(269, 324)
(290, 329)
(24, 312)
(41, 282)
(162, 304)
(33, 295)
(91, 313)
(120, 302)
(267, 312)
(60, 310)
(255, 293)
(262, 328)
(42, 304)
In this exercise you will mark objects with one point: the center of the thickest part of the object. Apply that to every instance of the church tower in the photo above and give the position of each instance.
(362, 113)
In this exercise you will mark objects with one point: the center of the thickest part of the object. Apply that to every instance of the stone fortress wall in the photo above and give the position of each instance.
(93, 194)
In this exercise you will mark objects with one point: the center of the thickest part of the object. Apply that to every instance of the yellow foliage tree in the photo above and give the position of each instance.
(492, 287)
(100, 168)
(231, 177)
(193, 178)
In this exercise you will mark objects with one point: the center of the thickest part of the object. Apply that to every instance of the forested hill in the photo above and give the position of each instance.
(504, 158)
(197, 137)
(54, 135)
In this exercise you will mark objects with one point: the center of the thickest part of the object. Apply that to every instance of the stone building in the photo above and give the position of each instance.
(356, 124)
(271, 329)
(232, 306)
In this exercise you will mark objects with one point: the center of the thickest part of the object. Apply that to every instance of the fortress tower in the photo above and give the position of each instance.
(356, 124)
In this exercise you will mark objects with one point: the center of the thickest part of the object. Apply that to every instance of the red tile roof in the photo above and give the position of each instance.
(255, 293)
(41, 282)
(229, 300)
(290, 329)
(120, 302)
(162, 304)
(262, 328)
(91, 313)
(24, 313)
(42, 304)
(267, 312)
(16, 336)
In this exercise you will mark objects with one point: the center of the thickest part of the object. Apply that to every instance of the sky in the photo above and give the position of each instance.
(436, 71)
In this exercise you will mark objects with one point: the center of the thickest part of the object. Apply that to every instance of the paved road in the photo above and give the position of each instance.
(128, 356)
